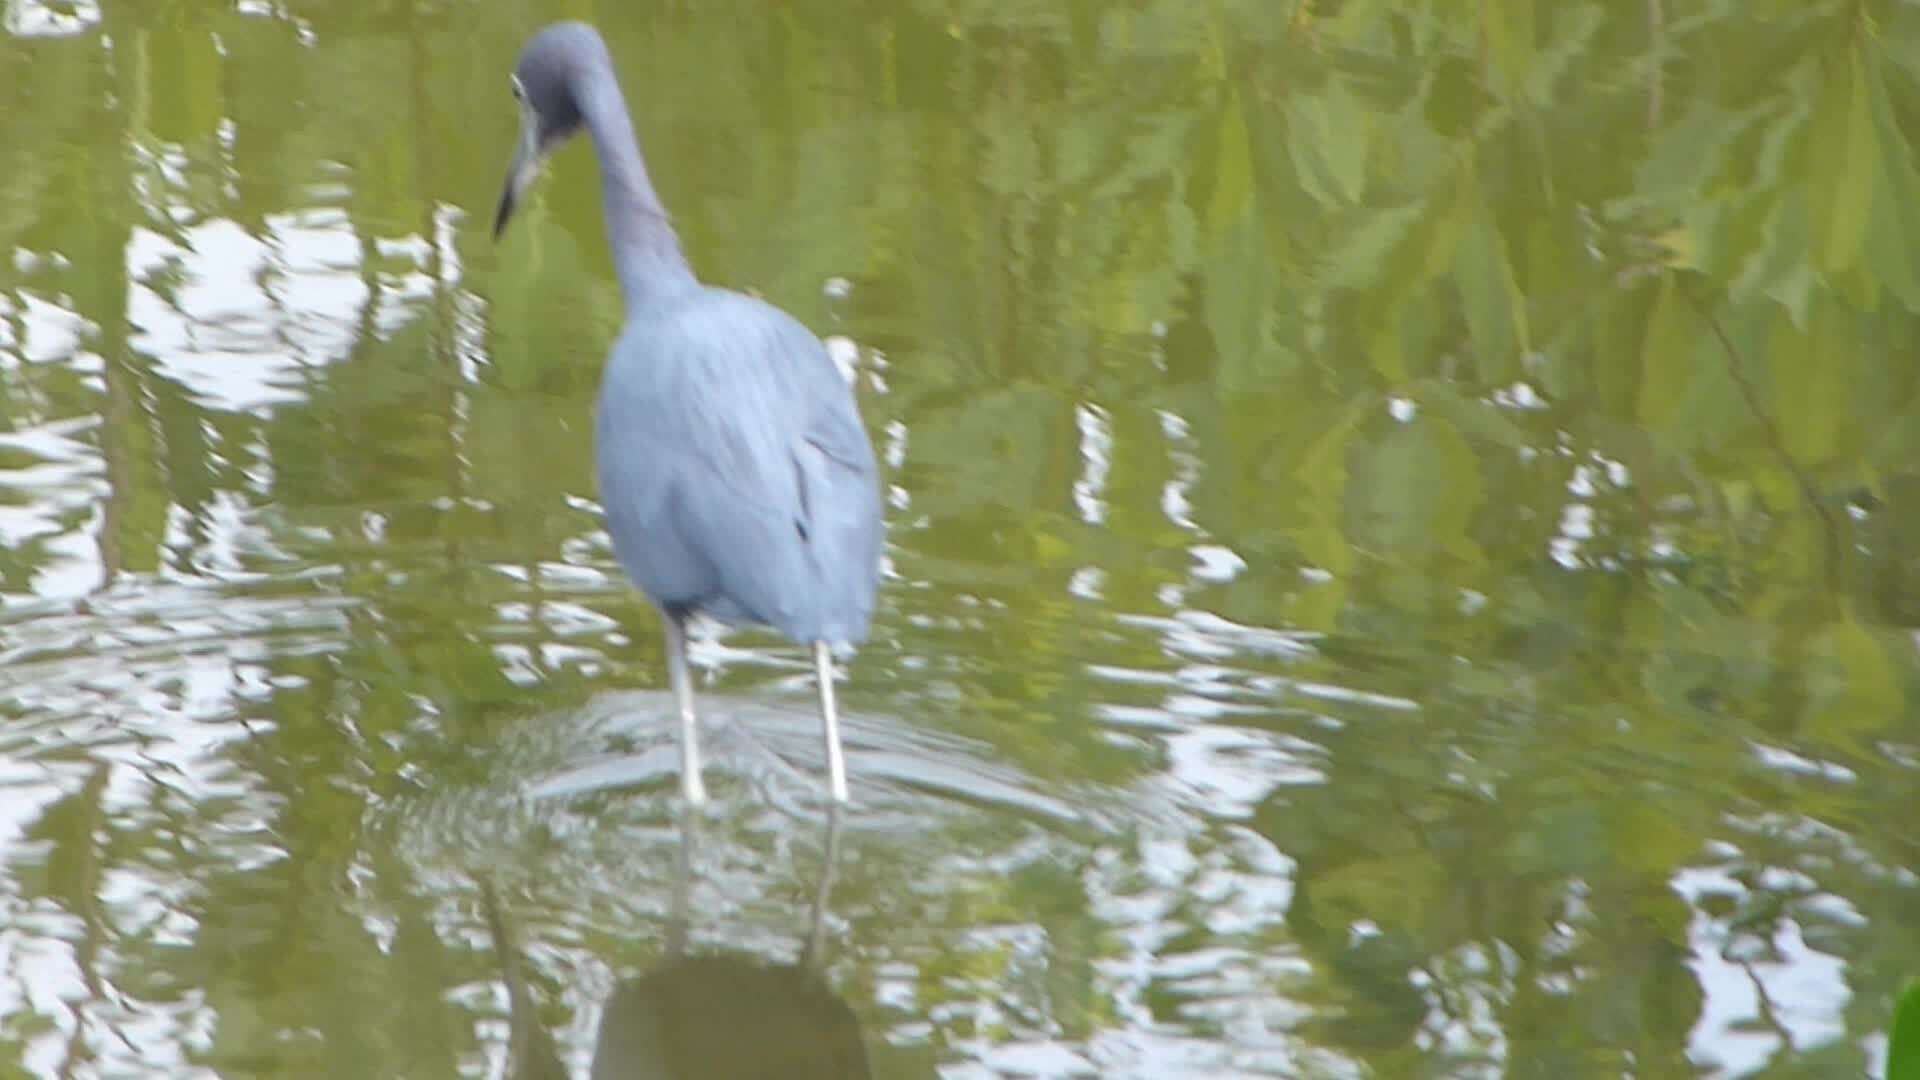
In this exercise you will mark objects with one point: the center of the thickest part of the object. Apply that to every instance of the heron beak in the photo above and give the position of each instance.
(520, 174)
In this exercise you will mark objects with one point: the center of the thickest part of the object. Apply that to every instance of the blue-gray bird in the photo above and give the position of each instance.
(737, 479)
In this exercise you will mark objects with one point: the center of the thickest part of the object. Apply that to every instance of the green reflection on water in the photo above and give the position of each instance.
(1404, 552)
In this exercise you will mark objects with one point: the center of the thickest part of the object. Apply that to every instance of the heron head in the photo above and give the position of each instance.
(543, 84)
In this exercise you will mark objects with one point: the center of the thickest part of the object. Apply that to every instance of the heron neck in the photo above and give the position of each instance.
(646, 251)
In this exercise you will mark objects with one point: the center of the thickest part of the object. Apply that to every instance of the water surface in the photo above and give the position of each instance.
(1404, 550)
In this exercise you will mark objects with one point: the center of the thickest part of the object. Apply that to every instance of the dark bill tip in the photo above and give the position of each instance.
(505, 211)
(520, 176)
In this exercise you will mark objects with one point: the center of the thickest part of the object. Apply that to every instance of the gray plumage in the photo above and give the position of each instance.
(736, 477)
(748, 491)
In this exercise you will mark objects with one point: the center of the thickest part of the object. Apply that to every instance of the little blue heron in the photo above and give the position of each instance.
(737, 480)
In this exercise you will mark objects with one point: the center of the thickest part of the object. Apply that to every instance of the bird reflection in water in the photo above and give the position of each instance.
(717, 1015)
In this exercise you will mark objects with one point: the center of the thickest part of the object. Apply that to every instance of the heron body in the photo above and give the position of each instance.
(737, 479)
(749, 494)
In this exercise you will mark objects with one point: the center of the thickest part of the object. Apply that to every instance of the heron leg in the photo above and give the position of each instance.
(830, 716)
(680, 908)
(691, 785)
(814, 950)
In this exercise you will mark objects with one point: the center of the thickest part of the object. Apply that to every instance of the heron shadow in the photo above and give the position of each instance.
(718, 1015)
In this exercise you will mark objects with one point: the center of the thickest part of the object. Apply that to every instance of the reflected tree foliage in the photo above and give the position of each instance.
(1431, 485)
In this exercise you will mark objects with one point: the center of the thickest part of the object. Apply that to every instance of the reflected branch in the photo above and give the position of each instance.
(531, 1054)
(1736, 369)
(1656, 74)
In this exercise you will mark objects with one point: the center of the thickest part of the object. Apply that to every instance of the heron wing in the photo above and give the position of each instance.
(840, 501)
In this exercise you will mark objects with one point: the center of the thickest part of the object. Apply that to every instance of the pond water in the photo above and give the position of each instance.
(1403, 557)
